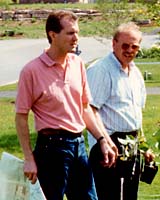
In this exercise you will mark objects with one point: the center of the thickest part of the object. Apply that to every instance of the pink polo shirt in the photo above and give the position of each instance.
(56, 96)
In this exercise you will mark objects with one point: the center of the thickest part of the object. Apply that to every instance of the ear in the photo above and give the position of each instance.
(52, 34)
(114, 42)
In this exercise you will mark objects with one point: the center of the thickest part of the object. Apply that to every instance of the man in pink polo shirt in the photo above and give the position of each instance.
(55, 88)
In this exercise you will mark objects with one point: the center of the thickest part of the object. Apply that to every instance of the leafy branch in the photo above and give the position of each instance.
(131, 145)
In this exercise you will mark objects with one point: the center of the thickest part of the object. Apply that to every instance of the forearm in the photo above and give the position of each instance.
(23, 134)
(91, 123)
(100, 124)
(109, 151)
(30, 168)
(94, 124)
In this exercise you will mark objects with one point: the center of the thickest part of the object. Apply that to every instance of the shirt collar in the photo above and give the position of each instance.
(51, 63)
(47, 60)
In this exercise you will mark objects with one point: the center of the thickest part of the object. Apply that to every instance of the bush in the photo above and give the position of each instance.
(153, 52)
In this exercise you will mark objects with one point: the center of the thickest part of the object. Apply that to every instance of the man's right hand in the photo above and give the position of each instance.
(30, 170)
(109, 154)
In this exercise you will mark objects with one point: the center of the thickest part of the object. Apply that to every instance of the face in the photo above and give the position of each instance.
(67, 40)
(126, 47)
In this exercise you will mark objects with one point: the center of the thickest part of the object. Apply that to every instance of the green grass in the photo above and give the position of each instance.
(151, 117)
(8, 137)
(11, 6)
(154, 69)
(36, 28)
(10, 87)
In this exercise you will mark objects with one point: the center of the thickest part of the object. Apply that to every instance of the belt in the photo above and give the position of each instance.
(124, 134)
(59, 133)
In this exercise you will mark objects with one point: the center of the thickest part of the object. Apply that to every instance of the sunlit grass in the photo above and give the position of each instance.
(8, 136)
(154, 69)
(10, 87)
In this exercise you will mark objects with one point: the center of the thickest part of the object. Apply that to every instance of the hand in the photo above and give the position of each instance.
(149, 156)
(114, 148)
(111, 144)
(30, 170)
(109, 154)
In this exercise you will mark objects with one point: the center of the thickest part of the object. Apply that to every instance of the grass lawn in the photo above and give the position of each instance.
(154, 69)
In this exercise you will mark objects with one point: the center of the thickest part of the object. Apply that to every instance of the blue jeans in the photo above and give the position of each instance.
(63, 167)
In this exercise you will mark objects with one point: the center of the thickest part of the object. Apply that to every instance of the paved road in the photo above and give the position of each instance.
(15, 53)
(10, 94)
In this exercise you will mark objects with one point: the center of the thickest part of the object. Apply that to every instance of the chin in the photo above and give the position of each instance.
(129, 59)
(73, 50)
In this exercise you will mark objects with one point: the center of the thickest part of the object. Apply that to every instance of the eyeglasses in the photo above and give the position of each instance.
(126, 46)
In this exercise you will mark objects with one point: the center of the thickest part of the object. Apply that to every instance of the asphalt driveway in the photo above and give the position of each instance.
(14, 54)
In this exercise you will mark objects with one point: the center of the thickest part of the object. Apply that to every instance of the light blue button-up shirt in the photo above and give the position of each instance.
(119, 97)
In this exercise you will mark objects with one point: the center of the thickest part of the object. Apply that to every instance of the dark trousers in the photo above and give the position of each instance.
(108, 181)
(63, 166)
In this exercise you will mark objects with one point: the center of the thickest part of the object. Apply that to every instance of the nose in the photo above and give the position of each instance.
(130, 49)
(76, 37)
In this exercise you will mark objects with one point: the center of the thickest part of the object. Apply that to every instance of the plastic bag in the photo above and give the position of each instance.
(13, 183)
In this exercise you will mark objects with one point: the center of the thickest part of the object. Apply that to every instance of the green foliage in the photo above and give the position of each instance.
(4, 4)
(153, 52)
(143, 145)
(157, 136)
(153, 11)
(129, 148)
(131, 145)
(50, 5)
(113, 13)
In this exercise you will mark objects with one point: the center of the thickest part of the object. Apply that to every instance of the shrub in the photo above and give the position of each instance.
(153, 52)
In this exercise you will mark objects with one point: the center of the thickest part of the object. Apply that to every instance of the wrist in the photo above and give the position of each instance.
(100, 139)
(29, 156)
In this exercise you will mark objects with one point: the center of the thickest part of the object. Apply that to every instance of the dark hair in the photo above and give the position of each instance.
(53, 22)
